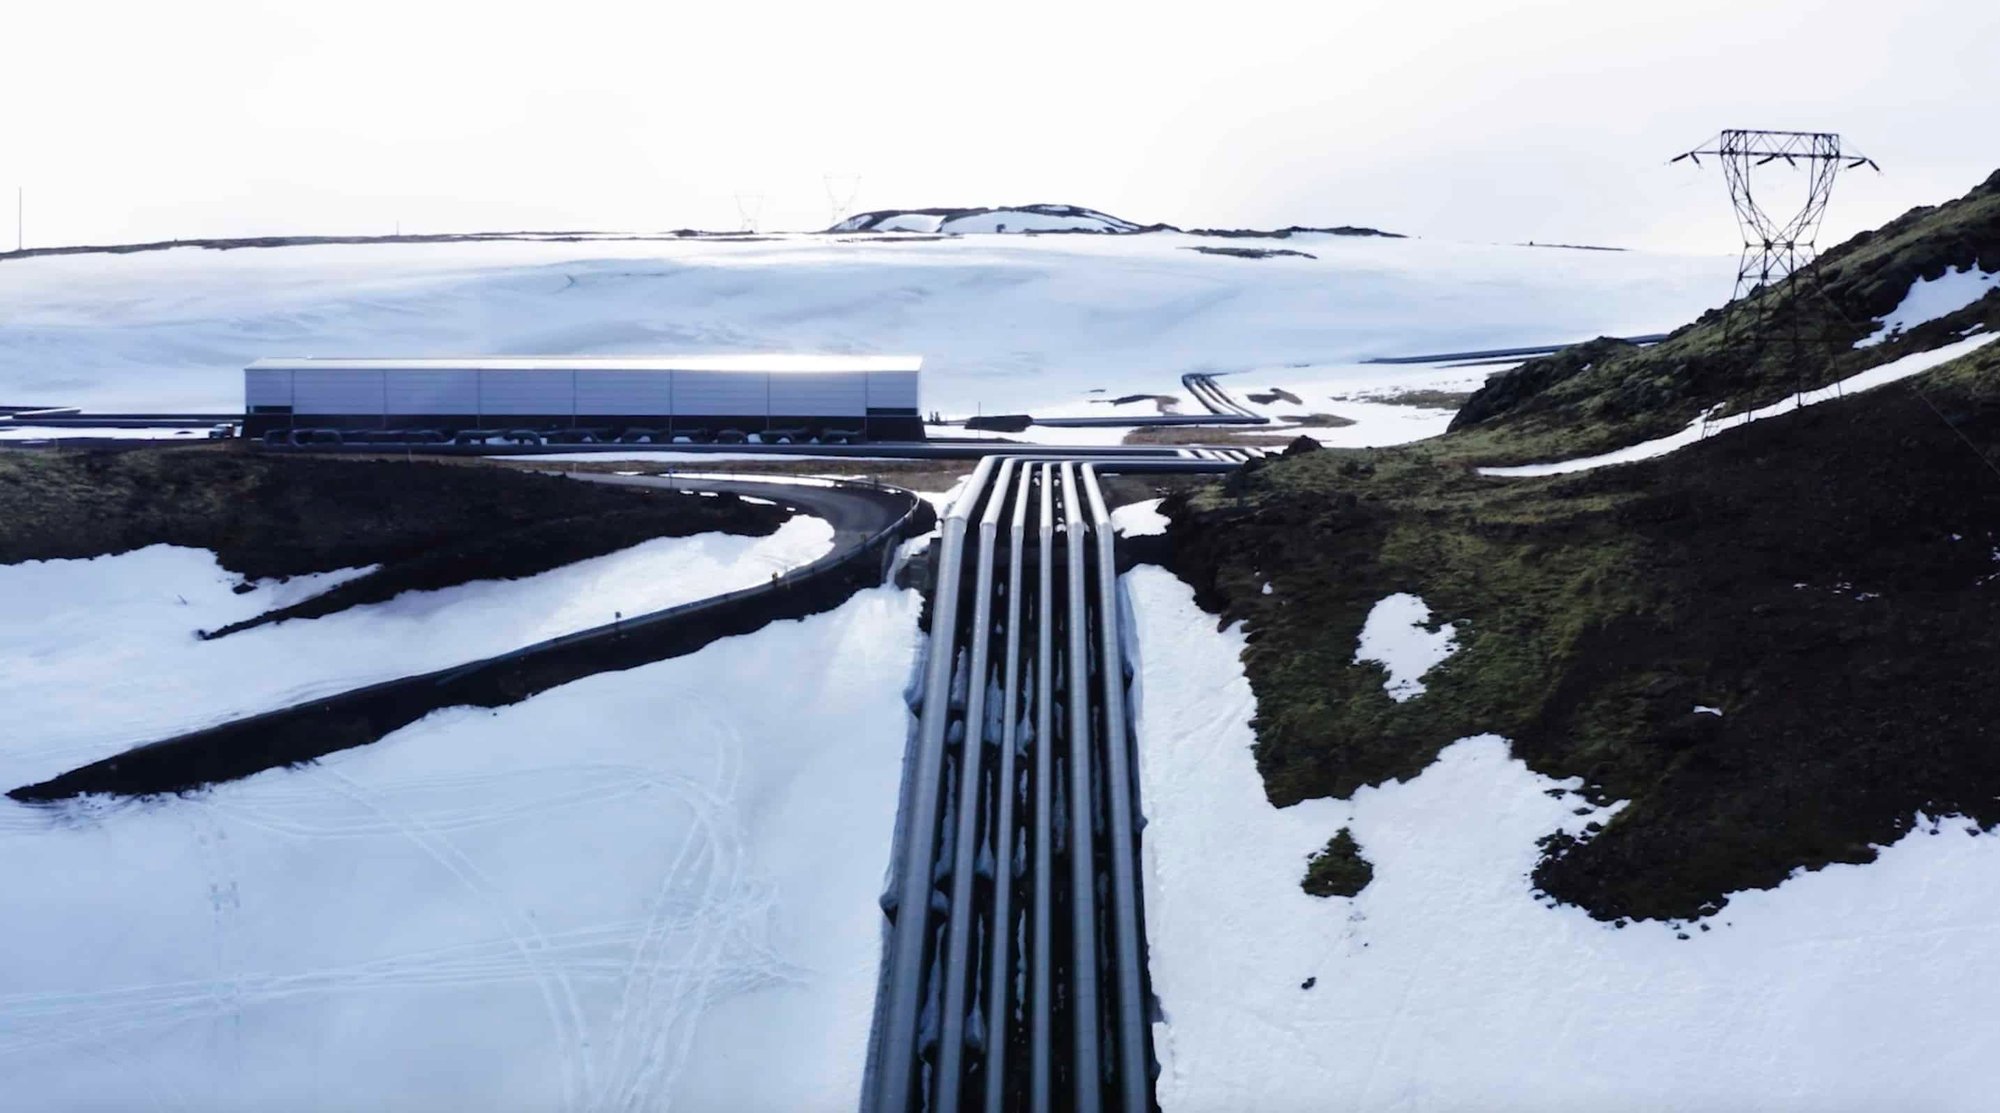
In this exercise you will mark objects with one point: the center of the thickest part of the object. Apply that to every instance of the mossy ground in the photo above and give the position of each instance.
(428, 525)
(1338, 870)
(1827, 579)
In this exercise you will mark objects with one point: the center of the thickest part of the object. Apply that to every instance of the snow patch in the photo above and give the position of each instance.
(1139, 519)
(1397, 637)
(1931, 298)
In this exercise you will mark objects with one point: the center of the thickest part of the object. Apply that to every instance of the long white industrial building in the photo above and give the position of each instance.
(872, 397)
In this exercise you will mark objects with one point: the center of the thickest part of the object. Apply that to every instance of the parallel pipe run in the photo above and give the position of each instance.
(1085, 1062)
(1000, 961)
(1014, 972)
(956, 970)
(1133, 1076)
(903, 992)
(1041, 935)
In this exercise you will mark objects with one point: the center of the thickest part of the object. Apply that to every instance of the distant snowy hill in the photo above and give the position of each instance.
(1006, 323)
(952, 222)
(1055, 218)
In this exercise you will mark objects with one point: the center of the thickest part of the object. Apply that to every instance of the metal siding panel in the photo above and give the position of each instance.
(836, 394)
(337, 392)
(428, 391)
(720, 392)
(524, 393)
(624, 392)
(264, 387)
(892, 389)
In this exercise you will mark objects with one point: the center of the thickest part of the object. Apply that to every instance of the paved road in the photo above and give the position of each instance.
(867, 521)
(1505, 353)
(856, 513)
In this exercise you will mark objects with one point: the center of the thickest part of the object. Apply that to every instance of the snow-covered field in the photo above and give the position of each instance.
(644, 890)
(1445, 985)
(98, 655)
(1006, 323)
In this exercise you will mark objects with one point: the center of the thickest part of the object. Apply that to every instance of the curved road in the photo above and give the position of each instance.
(867, 521)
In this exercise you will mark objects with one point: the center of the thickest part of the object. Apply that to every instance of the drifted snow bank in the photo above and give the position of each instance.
(1931, 298)
(97, 655)
(647, 889)
(1139, 519)
(1398, 637)
(1894, 371)
(1445, 985)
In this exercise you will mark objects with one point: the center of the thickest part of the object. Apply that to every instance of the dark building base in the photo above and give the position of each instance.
(899, 425)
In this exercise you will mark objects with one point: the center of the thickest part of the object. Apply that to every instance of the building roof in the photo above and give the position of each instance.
(747, 363)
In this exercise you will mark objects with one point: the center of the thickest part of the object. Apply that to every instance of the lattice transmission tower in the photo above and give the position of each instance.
(1778, 255)
(841, 190)
(749, 209)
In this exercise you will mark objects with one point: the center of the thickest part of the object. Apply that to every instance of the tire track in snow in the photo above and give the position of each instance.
(43, 1020)
(676, 1010)
(225, 1034)
(572, 1042)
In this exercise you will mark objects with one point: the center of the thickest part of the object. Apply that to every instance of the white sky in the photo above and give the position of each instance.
(1467, 119)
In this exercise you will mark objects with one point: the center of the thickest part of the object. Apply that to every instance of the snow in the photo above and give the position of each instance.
(1049, 218)
(1931, 298)
(648, 889)
(1006, 324)
(1445, 984)
(1398, 637)
(9, 431)
(100, 654)
(1700, 709)
(1915, 363)
(1018, 220)
(910, 222)
(1139, 519)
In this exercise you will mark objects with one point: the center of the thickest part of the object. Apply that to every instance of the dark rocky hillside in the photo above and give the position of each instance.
(429, 525)
(1829, 580)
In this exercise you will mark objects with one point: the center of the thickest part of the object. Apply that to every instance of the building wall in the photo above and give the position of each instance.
(878, 403)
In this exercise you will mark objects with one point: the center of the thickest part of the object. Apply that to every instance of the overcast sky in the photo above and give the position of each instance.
(1456, 119)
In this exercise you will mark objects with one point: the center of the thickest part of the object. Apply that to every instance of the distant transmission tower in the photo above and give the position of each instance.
(749, 207)
(1775, 251)
(841, 190)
